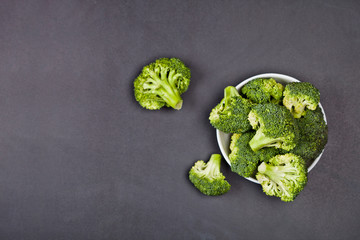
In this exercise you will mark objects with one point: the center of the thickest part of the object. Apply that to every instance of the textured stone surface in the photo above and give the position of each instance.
(80, 159)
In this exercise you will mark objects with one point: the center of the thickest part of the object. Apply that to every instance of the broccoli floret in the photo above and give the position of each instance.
(161, 83)
(263, 90)
(300, 95)
(243, 159)
(207, 176)
(283, 176)
(275, 127)
(230, 115)
(313, 135)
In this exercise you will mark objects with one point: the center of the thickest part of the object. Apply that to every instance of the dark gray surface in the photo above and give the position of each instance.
(80, 159)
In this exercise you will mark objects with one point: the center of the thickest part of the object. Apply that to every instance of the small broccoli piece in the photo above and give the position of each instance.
(207, 176)
(275, 127)
(263, 90)
(244, 161)
(300, 95)
(161, 83)
(284, 176)
(313, 135)
(230, 115)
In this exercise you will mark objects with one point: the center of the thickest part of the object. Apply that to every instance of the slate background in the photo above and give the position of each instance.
(80, 159)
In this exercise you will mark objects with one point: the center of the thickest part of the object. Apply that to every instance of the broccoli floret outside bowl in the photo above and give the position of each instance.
(224, 139)
(208, 178)
(161, 83)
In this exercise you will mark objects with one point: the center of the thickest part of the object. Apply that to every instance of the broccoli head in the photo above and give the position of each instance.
(207, 176)
(313, 135)
(263, 90)
(161, 83)
(230, 115)
(243, 159)
(274, 125)
(299, 96)
(283, 176)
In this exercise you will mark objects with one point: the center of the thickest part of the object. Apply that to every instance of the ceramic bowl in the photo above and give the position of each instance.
(224, 138)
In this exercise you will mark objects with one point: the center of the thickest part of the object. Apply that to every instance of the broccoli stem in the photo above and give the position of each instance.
(277, 173)
(165, 90)
(170, 96)
(230, 92)
(213, 166)
(260, 140)
(173, 77)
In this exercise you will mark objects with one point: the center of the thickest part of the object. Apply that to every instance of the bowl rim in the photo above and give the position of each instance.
(238, 87)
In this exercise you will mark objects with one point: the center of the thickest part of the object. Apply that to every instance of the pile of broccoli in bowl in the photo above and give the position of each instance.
(272, 130)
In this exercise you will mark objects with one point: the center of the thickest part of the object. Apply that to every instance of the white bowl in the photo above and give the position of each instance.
(224, 138)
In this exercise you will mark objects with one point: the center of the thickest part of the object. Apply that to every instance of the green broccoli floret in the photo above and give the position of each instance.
(313, 135)
(231, 114)
(263, 90)
(161, 83)
(283, 176)
(275, 127)
(207, 176)
(243, 159)
(300, 95)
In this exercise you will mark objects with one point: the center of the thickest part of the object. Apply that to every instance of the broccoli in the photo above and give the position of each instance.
(263, 90)
(300, 95)
(313, 135)
(161, 83)
(207, 176)
(243, 159)
(275, 127)
(230, 115)
(283, 176)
